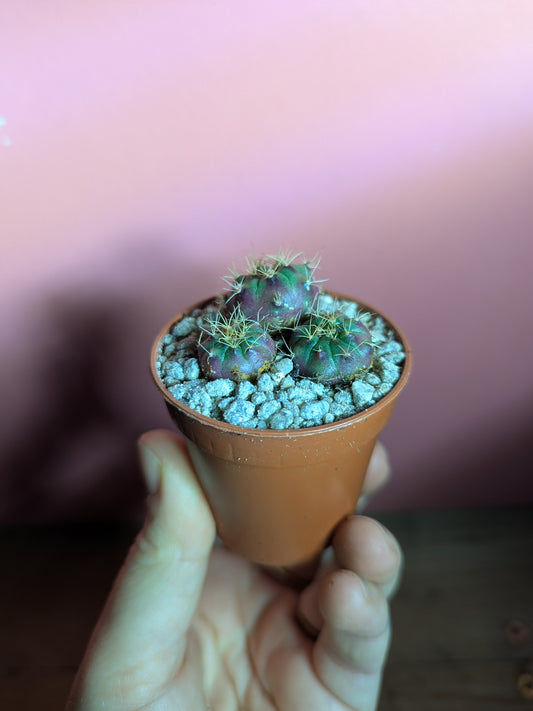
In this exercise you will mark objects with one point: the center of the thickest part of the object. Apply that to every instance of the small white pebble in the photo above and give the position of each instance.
(191, 369)
(276, 377)
(362, 393)
(391, 347)
(258, 398)
(318, 389)
(179, 391)
(284, 365)
(382, 389)
(306, 391)
(221, 387)
(265, 383)
(201, 401)
(184, 327)
(173, 369)
(325, 301)
(239, 412)
(281, 420)
(287, 382)
(245, 389)
(343, 397)
(267, 409)
(297, 394)
(314, 411)
(340, 409)
(351, 310)
(389, 372)
(397, 357)
(170, 349)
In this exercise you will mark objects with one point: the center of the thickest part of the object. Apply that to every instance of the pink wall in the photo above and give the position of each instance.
(145, 147)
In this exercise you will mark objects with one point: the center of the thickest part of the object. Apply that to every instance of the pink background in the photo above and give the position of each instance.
(146, 147)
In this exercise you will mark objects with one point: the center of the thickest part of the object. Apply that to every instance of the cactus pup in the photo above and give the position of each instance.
(331, 348)
(234, 347)
(275, 291)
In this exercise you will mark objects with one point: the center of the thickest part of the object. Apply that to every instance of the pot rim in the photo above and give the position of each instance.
(283, 434)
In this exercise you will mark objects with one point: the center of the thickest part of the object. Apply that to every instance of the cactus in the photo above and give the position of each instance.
(331, 348)
(275, 291)
(234, 347)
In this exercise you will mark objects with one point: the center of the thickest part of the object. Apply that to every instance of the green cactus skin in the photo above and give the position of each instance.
(275, 292)
(331, 348)
(234, 347)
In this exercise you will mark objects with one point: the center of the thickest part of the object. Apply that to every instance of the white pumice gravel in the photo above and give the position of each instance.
(239, 412)
(362, 394)
(222, 387)
(279, 399)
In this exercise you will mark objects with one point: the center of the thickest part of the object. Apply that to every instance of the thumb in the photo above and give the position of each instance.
(139, 643)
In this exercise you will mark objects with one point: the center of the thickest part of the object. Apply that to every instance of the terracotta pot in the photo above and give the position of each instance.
(277, 495)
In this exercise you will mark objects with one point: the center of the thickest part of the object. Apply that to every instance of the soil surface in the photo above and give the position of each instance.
(279, 398)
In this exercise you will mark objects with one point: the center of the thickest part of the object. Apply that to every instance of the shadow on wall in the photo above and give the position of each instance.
(489, 466)
(87, 396)
(495, 471)
(76, 457)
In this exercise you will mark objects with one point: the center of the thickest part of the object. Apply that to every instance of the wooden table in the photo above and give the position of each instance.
(463, 619)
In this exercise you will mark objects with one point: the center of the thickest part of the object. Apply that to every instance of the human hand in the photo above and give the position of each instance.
(192, 627)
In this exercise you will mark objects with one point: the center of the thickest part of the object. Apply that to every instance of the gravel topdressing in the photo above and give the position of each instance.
(279, 399)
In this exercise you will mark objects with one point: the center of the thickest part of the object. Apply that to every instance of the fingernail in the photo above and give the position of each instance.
(151, 467)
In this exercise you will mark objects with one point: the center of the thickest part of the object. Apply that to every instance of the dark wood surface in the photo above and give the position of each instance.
(468, 575)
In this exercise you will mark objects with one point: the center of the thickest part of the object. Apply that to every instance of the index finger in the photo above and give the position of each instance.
(379, 470)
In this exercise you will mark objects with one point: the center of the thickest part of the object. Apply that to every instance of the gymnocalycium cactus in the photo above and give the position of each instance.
(275, 291)
(273, 309)
(234, 347)
(331, 348)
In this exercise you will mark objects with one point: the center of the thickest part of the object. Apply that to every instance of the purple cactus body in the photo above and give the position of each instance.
(241, 360)
(278, 299)
(331, 349)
